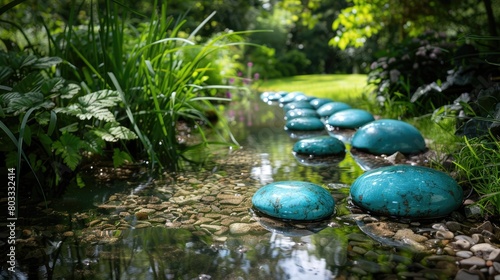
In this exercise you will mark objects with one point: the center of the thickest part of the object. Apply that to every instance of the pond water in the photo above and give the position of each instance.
(276, 251)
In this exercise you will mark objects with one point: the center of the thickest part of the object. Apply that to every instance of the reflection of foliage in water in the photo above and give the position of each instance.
(163, 253)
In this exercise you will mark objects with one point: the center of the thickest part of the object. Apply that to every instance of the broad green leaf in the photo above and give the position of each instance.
(122, 133)
(105, 135)
(53, 122)
(102, 98)
(69, 91)
(69, 128)
(99, 113)
(11, 158)
(7, 97)
(68, 146)
(52, 85)
(26, 61)
(43, 118)
(46, 62)
(87, 113)
(27, 101)
(5, 73)
(114, 132)
(30, 82)
(79, 181)
(27, 135)
(120, 158)
(46, 142)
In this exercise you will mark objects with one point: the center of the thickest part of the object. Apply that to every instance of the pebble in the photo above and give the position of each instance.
(473, 261)
(464, 254)
(468, 275)
(444, 234)
(482, 248)
(462, 244)
(494, 255)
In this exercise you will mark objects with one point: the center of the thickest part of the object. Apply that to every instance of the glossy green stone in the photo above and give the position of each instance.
(330, 108)
(294, 200)
(350, 118)
(407, 191)
(387, 137)
(319, 146)
(305, 124)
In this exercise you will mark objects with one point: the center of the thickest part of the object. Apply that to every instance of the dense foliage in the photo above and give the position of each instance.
(113, 89)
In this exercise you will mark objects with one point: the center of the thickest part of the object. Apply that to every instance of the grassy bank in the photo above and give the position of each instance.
(340, 87)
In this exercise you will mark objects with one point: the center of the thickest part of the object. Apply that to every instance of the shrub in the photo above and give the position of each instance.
(400, 70)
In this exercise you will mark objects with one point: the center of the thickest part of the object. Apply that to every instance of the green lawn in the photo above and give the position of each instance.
(340, 87)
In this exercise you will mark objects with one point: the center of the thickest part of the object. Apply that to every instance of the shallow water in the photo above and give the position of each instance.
(283, 251)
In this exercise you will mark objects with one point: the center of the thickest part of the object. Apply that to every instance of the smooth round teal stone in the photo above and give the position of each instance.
(290, 97)
(387, 137)
(303, 98)
(297, 113)
(407, 191)
(297, 105)
(331, 108)
(319, 146)
(318, 102)
(305, 124)
(270, 97)
(350, 118)
(294, 200)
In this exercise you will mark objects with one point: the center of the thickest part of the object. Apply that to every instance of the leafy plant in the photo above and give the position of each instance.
(407, 66)
(32, 100)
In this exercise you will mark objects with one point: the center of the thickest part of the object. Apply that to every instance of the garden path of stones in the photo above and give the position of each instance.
(208, 203)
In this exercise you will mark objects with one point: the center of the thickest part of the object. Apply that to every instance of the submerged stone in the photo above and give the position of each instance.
(297, 113)
(294, 200)
(305, 124)
(331, 108)
(319, 146)
(407, 191)
(350, 118)
(387, 137)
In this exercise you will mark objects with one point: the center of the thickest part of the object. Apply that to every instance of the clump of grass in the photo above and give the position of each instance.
(478, 165)
(160, 73)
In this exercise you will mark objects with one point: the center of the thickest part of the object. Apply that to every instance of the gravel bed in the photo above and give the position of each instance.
(217, 203)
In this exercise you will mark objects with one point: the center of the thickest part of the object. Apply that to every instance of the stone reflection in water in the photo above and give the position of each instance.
(318, 161)
(263, 172)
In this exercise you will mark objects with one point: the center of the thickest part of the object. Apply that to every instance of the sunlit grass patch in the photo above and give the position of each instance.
(340, 87)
